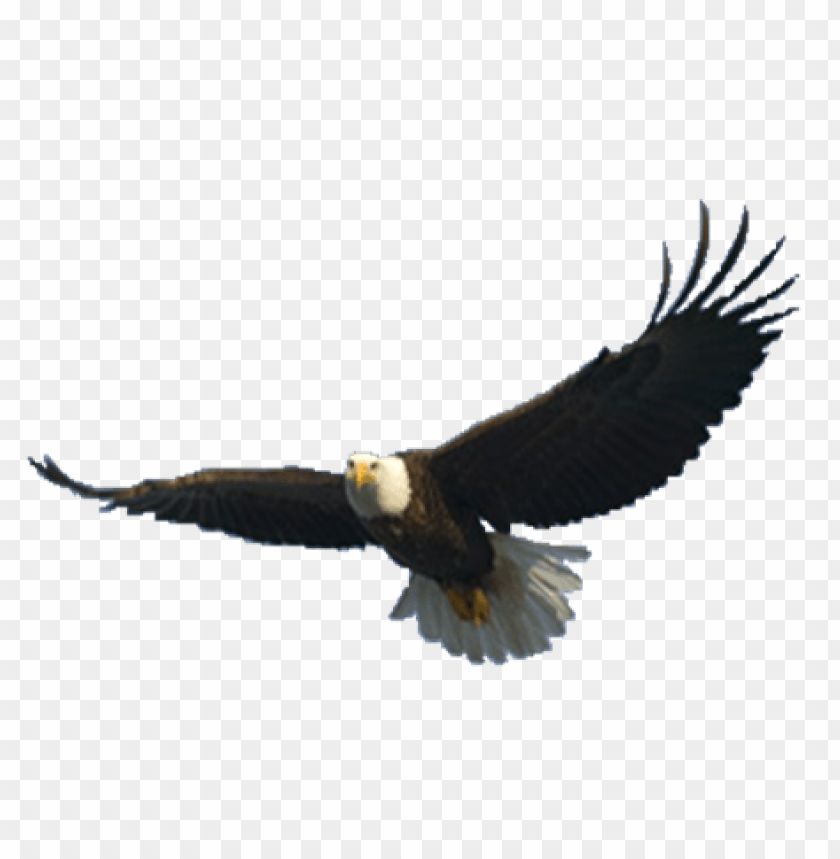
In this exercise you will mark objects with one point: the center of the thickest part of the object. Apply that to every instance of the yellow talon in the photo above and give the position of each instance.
(481, 607)
(471, 606)
(459, 603)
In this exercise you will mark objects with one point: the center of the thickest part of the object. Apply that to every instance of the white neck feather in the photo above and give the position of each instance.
(389, 492)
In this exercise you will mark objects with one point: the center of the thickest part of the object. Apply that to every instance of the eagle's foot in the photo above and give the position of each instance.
(470, 605)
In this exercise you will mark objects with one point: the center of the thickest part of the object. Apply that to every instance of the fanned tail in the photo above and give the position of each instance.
(527, 603)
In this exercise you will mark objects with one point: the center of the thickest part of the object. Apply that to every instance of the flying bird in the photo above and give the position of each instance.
(608, 435)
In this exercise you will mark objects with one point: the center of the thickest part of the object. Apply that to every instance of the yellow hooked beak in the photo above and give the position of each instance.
(363, 475)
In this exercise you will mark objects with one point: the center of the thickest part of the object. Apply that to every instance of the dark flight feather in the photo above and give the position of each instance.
(666, 283)
(294, 506)
(627, 421)
(699, 261)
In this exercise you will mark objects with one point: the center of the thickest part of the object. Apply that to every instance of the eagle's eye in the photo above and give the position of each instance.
(374, 466)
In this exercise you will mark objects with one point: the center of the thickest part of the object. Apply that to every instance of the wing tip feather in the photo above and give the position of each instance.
(53, 474)
(722, 302)
(666, 285)
(699, 261)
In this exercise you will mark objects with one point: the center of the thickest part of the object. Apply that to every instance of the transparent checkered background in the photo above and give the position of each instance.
(273, 238)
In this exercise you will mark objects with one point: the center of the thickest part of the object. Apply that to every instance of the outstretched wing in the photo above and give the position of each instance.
(278, 506)
(627, 421)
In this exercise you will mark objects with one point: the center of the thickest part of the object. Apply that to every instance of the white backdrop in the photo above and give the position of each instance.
(234, 235)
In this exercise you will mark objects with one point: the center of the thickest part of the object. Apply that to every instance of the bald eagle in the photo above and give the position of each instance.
(608, 435)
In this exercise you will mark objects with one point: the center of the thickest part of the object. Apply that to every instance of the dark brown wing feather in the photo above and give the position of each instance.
(284, 506)
(627, 421)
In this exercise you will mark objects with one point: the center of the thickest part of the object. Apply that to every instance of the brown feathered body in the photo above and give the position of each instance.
(435, 536)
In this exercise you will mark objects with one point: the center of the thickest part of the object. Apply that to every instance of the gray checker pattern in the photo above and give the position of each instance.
(243, 234)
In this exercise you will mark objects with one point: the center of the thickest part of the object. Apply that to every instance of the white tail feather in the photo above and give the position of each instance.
(527, 603)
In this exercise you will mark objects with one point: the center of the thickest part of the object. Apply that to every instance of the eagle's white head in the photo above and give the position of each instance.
(377, 487)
